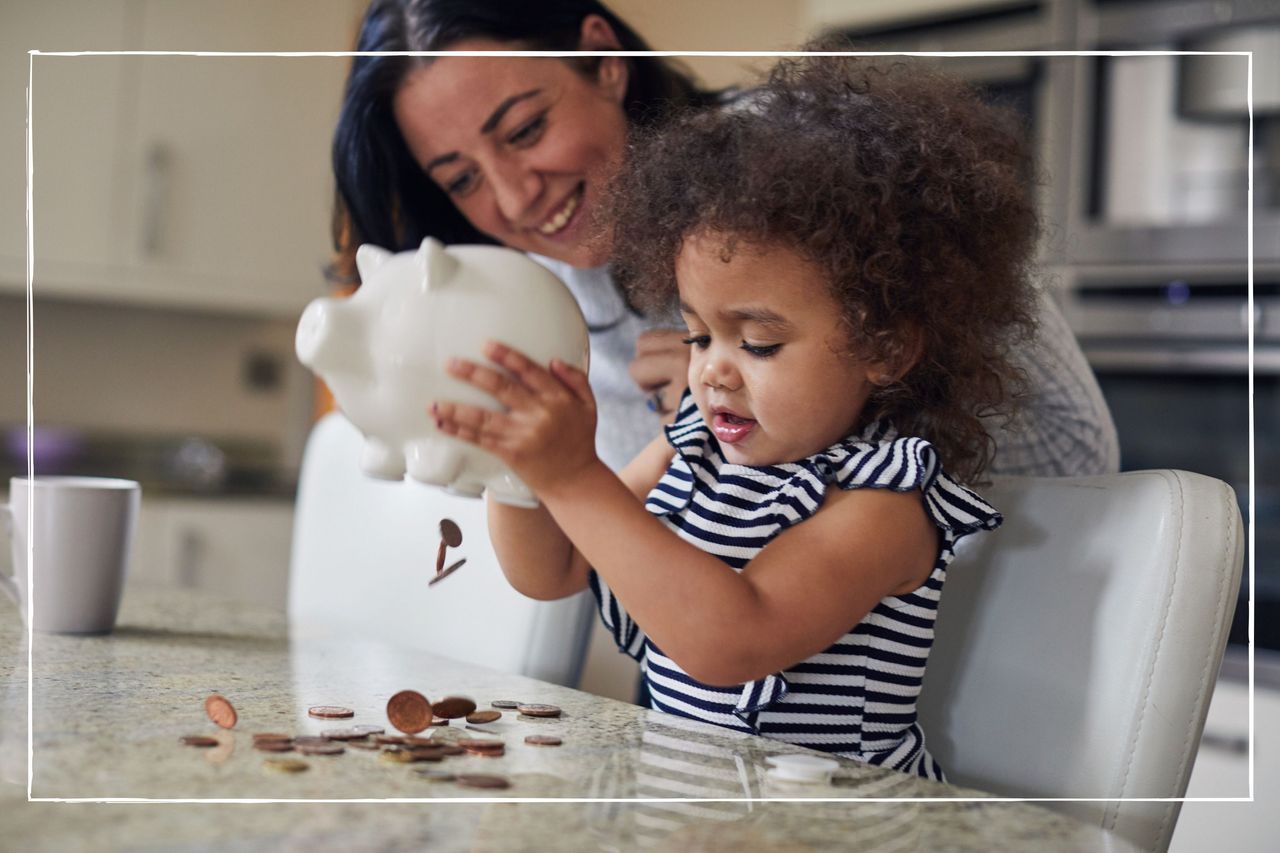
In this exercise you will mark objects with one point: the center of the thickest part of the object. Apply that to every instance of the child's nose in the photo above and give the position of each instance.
(720, 373)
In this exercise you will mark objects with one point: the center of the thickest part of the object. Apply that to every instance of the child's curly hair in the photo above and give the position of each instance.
(910, 194)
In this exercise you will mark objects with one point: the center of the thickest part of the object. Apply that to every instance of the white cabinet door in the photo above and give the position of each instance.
(77, 123)
(236, 549)
(229, 169)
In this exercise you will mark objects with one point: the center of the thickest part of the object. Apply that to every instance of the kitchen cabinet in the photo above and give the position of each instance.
(234, 548)
(185, 181)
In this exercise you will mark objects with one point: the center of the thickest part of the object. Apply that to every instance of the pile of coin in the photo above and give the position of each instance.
(409, 712)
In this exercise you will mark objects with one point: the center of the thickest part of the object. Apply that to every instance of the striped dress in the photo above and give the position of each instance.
(857, 698)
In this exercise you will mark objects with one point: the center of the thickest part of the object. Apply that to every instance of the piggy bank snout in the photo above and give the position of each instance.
(328, 338)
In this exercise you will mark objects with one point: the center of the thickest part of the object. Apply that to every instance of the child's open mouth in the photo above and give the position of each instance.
(730, 428)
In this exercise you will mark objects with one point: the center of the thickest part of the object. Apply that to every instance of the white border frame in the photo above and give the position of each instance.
(30, 270)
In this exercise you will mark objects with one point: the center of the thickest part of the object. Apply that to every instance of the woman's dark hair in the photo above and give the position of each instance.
(383, 196)
(911, 195)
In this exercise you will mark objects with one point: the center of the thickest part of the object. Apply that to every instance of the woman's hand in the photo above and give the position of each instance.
(661, 369)
(547, 434)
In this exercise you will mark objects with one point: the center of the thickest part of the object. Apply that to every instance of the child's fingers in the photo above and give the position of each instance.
(459, 418)
(573, 378)
(510, 392)
(530, 372)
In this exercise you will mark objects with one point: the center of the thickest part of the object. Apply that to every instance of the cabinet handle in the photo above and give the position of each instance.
(155, 181)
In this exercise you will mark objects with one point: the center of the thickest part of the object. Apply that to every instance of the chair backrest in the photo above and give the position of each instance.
(1077, 646)
(364, 550)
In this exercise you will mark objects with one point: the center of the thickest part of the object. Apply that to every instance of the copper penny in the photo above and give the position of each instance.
(329, 748)
(542, 740)
(409, 711)
(534, 709)
(481, 780)
(220, 710)
(285, 765)
(366, 729)
(273, 745)
(439, 722)
(434, 775)
(450, 749)
(198, 740)
(452, 707)
(383, 740)
(271, 736)
(505, 704)
(483, 716)
(444, 573)
(450, 532)
(330, 712)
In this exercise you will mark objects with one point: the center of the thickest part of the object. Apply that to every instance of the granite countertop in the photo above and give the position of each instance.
(109, 712)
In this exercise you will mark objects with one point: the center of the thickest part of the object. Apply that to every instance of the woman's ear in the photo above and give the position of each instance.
(612, 72)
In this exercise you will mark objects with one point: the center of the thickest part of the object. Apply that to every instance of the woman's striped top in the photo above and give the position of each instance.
(858, 697)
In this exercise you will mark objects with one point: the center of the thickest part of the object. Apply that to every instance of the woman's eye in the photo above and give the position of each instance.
(528, 133)
(699, 341)
(461, 185)
(761, 351)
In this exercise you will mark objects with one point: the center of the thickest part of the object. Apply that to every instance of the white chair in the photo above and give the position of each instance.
(1077, 647)
(364, 550)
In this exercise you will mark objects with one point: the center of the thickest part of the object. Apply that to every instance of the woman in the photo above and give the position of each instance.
(517, 151)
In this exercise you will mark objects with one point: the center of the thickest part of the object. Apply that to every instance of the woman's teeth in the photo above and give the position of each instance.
(562, 217)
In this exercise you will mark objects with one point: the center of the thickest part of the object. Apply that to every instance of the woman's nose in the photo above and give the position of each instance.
(516, 190)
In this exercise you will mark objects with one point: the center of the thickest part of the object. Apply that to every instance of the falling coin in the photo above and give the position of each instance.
(483, 716)
(505, 704)
(220, 710)
(542, 740)
(480, 780)
(285, 765)
(441, 575)
(198, 740)
(330, 712)
(537, 710)
(452, 707)
(329, 748)
(409, 711)
(450, 533)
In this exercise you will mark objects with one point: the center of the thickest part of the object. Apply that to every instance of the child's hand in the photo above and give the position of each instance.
(548, 433)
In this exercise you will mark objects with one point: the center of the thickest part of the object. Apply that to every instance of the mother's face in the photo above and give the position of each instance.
(522, 145)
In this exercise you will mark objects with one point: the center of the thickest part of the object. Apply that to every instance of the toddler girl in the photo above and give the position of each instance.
(849, 251)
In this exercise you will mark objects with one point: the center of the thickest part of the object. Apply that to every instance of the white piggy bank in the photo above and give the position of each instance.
(382, 352)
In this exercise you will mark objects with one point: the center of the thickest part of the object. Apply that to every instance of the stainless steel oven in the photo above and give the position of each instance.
(1171, 355)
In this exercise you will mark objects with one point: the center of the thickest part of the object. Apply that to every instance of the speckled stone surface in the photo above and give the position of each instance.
(109, 712)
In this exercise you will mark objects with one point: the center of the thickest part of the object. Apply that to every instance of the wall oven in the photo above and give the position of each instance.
(1171, 355)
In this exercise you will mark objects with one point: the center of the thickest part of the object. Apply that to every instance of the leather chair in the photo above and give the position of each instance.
(1077, 647)
(364, 550)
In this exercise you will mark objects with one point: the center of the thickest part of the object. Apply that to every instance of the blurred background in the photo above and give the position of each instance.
(181, 207)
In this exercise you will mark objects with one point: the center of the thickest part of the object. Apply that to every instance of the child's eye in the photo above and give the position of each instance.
(528, 133)
(761, 351)
(699, 341)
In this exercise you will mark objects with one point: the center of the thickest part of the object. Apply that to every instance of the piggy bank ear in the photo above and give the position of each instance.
(368, 258)
(437, 263)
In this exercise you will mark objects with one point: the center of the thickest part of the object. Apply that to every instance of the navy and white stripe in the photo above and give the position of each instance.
(857, 698)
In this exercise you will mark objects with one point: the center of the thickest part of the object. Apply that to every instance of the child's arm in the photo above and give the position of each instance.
(809, 587)
(536, 556)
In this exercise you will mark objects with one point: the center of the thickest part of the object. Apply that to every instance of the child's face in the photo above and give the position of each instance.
(770, 367)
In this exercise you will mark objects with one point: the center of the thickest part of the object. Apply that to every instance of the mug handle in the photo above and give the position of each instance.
(7, 583)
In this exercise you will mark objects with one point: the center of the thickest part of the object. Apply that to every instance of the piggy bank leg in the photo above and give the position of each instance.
(379, 460)
(433, 461)
(509, 489)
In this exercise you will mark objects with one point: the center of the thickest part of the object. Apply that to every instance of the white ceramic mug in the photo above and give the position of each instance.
(80, 536)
